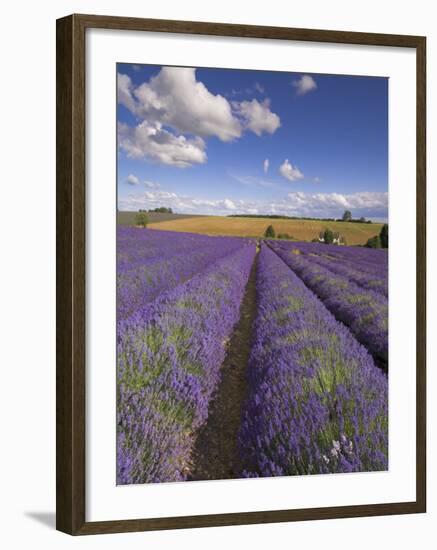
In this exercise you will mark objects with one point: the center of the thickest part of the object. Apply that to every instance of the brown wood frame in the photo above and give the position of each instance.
(70, 275)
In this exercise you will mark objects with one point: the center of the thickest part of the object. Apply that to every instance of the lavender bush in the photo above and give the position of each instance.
(370, 259)
(363, 310)
(151, 262)
(317, 403)
(353, 267)
(169, 355)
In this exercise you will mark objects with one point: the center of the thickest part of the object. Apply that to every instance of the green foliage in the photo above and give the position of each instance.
(347, 216)
(328, 236)
(141, 219)
(374, 242)
(162, 210)
(384, 236)
(270, 232)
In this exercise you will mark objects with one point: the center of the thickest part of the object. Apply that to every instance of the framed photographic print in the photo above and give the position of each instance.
(240, 274)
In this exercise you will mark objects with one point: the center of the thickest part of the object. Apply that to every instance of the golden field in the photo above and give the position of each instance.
(305, 230)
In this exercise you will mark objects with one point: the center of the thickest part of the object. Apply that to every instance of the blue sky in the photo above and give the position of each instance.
(223, 141)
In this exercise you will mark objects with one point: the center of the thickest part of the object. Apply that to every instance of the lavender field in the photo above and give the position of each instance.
(239, 357)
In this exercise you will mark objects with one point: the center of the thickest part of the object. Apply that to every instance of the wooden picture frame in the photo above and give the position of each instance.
(71, 253)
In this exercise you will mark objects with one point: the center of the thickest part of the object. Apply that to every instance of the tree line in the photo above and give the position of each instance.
(347, 217)
(160, 210)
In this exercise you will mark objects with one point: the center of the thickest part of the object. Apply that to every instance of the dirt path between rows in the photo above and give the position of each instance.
(215, 454)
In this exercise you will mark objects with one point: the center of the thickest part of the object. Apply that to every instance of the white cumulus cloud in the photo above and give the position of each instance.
(304, 84)
(132, 180)
(151, 184)
(373, 205)
(257, 116)
(124, 92)
(153, 142)
(368, 204)
(227, 203)
(179, 203)
(175, 112)
(175, 98)
(266, 166)
(290, 172)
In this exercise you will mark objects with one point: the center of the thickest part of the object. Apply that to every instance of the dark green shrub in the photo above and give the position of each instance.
(374, 242)
(141, 219)
(328, 236)
(270, 232)
(384, 236)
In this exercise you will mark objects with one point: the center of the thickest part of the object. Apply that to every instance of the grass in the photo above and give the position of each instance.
(302, 230)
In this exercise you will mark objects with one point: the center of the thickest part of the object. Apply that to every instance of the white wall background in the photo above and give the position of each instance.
(27, 273)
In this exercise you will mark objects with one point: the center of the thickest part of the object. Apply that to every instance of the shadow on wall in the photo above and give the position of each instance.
(45, 518)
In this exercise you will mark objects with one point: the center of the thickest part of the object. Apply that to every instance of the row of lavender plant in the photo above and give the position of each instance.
(364, 311)
(135, 245)
(142, 277)
(169, 357)
(317, 403)
(356, 271)
(369, 260)
(368, 257)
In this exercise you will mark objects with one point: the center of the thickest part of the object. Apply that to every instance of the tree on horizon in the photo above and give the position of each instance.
(270, 232)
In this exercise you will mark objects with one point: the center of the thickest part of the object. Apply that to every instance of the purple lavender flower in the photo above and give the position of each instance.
(150, 262)
(363, 310)
(169, 353)
(317, 403)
